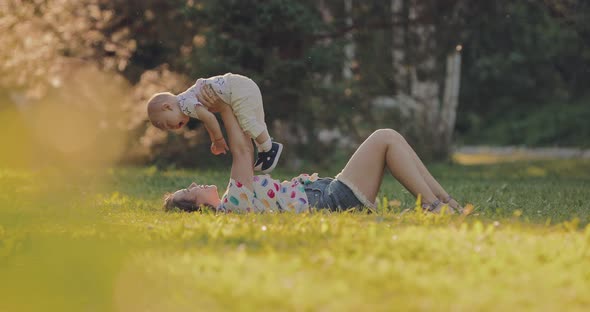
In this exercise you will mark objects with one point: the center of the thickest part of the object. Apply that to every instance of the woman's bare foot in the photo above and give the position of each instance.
(438, 207)
(448, 200)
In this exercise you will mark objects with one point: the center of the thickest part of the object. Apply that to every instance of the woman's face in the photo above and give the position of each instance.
(200, 194)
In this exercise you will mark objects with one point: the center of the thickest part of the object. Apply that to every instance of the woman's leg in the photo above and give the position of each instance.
(385, 147)
(436, 188)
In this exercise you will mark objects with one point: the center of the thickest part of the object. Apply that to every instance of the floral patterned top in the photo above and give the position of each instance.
(268, 195)
(188, 99)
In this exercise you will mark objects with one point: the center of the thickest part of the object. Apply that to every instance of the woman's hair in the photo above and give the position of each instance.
(185, 205)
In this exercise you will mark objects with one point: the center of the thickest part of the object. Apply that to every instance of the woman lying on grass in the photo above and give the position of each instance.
(355, 186)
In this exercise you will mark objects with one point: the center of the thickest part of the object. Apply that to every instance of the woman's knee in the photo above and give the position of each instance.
(388, 135)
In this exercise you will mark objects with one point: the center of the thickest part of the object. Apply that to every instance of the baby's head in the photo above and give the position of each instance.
(164, 112)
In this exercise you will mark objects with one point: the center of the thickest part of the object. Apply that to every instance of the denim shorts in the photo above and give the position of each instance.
(331, 194)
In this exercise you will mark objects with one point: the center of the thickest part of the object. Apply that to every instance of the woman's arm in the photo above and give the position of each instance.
(240, 146)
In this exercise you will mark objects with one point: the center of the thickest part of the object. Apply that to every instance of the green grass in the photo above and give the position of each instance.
(85, 241)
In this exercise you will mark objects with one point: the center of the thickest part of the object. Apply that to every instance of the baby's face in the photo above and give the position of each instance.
(169, 120)
(170, 117)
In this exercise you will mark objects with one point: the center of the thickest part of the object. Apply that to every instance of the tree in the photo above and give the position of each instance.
(407, 58)
(523, 58)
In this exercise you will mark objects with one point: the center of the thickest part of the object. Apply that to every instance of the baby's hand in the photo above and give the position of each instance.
(219, 146)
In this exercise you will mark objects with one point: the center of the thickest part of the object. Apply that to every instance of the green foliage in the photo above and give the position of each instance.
(516, 57)
(100, 241)
(562, 125)
(274, 43)
(519, 56)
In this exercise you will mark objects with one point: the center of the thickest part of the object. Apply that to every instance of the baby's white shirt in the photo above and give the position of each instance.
(188, 99)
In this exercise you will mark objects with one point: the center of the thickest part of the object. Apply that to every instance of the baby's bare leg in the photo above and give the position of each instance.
(385, 148)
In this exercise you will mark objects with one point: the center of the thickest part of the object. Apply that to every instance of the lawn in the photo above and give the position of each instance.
(84, 241)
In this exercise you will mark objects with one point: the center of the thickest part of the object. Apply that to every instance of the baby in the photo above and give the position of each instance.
(167, 111)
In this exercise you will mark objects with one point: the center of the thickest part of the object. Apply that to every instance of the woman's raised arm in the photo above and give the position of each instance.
(240, 146)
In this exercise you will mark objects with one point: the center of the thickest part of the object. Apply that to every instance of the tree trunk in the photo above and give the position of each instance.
(451, 96)
(399, 31)
(422, 86)
(349, 48)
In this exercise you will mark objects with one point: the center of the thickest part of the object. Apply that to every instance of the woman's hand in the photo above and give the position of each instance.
(210, 99)
(219, 146)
